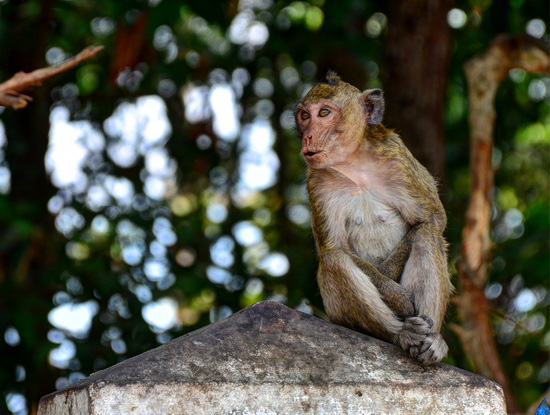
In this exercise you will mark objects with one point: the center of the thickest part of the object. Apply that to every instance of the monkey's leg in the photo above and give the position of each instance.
(394, 295)
(426, 277)
(394, 265)
(352, 300)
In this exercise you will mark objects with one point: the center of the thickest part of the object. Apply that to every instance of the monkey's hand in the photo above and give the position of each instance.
(417, 338)
(433, 350)
(414, 332)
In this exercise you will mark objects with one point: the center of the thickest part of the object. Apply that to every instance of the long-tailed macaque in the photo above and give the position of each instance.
(377, 221)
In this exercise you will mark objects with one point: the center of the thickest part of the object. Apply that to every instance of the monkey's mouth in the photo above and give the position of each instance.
(311, 154)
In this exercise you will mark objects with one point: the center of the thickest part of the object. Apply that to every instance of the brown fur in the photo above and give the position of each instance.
(377, 221)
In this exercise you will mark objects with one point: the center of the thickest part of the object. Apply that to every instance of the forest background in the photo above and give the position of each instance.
(159, 187)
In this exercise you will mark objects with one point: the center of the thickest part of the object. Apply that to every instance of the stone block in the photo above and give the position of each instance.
(270, 359)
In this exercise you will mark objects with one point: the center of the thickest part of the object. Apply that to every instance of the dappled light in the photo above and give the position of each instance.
(75, 319)
(457, 18)
(11, 336)
(536, 28)
(161, 315)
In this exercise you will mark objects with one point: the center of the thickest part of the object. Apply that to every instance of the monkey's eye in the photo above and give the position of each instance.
(304, 115)
(324, 112)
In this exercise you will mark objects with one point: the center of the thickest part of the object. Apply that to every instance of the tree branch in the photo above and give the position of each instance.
(10, 90)
(484, 73)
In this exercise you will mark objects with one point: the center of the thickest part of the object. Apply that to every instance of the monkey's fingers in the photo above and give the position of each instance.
(423, 349)
(414, 333)
(433, 350)
(428, 320)
(422, 324)
(414, 352)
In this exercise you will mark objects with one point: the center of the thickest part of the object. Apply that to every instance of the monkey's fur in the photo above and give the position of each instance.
(377, 221)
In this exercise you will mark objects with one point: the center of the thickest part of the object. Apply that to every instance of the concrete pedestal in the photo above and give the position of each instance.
(271, 359)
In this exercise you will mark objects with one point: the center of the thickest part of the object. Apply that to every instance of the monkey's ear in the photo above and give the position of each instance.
(373, 105)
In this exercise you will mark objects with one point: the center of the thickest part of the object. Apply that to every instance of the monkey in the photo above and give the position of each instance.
(384, 277)
(377, 221)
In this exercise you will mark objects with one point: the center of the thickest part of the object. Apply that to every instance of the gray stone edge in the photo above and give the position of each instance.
(273, 399)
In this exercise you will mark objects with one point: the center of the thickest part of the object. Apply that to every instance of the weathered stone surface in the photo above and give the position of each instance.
(271, 359)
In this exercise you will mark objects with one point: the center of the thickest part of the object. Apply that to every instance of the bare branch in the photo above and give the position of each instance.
(10, 90)
(14, 100)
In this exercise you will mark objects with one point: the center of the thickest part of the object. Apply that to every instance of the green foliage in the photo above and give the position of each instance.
(518, 281)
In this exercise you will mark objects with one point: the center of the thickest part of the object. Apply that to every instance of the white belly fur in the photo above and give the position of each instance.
(360, 221)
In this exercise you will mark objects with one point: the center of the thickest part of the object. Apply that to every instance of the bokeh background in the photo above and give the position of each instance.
(159, 186)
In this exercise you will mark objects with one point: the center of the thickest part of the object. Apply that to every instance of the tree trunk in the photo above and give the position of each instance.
(415, 77)
(484, 74)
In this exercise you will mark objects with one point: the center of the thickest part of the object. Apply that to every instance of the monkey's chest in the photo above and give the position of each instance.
(367, 226)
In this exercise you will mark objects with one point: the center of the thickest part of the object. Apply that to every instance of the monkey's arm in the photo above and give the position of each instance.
(394, 265)
(426, 276)
(415, 197)
(394, 295)
(386, 276)
(352, 300)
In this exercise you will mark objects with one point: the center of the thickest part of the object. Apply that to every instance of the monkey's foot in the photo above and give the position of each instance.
(414, 332)
(433, 350)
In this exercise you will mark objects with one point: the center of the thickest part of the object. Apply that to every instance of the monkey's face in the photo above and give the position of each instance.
(326, 140)
(332, 120)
